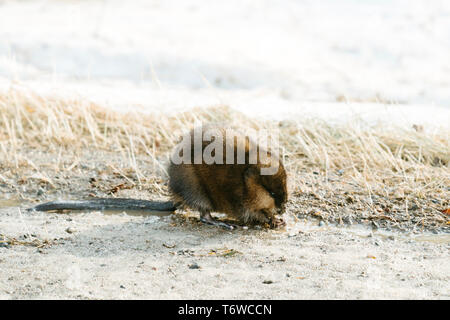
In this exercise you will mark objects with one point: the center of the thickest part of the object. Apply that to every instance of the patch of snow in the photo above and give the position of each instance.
(267, 58)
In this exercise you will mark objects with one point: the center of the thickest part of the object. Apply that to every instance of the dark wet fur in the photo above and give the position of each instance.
(239, 190)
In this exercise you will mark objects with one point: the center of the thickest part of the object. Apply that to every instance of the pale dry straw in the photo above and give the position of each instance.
(372, 162)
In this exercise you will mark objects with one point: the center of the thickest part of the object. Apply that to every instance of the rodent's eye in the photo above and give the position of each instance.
(273, 194)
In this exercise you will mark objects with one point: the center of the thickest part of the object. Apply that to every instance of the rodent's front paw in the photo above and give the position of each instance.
(276, 223)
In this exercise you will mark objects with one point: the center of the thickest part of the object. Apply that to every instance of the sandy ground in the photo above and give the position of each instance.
(120, 256)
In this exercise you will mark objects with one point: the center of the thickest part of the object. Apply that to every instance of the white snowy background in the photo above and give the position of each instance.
(379, 59)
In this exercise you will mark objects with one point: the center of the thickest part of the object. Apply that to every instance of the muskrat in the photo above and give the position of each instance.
(233, 183)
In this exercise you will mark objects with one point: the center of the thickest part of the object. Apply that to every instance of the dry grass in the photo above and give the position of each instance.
(386, 175)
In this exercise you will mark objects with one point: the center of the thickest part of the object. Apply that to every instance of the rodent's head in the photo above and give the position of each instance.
(276, 186)
(267, 194)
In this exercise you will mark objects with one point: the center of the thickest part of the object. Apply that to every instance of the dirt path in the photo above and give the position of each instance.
(94, 255)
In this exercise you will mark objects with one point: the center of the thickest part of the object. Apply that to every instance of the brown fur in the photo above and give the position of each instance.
(239, 190)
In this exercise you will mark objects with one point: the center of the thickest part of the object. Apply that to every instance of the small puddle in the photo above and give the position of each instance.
(7, 203)
(364, 232)
(435, 238)
(138, 213)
